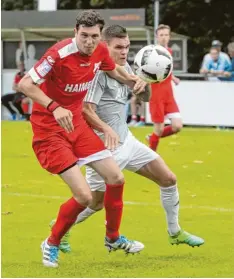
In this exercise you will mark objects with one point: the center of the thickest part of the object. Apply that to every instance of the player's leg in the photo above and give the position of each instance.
(113, 203)
(27, 102)
(6, 99)
(176, 123)
(17, 102)
(133, 105)
(172, 112)
(150, 165)
(67, 214)
(98, 187)
(91, 151)
(157, 116)
(55, 154)
(157, 171)
(104, 174)
(142, 114)
(154, 138)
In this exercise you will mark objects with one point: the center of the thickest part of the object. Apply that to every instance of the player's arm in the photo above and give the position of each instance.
(133, 81)
(175, 79)
(37, 75)
(117, 72)
(31, 90)
(205, 68)
(111, 139)
(91, 101)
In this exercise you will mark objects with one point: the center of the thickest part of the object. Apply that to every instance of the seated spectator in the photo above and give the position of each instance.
(231, 53)
(12, 101)
(218, 45)
(217, 66)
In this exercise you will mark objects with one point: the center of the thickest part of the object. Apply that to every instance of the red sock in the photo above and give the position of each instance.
(153, 141)
(167, 131)
(142, 119)
(113, 202)
(66, 217)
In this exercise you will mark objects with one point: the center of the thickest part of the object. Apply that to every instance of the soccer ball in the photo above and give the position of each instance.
(153, 63)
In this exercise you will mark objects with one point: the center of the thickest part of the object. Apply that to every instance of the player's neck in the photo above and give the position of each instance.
(83, 54)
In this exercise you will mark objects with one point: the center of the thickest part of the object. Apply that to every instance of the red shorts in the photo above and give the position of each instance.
(162, 103)
(57, 152)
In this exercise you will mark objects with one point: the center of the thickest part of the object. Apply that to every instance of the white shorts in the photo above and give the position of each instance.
(132, 155)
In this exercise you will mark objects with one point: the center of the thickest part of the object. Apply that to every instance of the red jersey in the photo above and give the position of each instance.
(64, 75)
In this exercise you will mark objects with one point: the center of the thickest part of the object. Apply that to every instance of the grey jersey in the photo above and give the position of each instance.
(110, 96)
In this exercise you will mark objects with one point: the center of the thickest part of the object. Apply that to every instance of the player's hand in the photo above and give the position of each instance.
(176, 80)
(64, 118)
(227, 74)
(139, 85)
(111, 139)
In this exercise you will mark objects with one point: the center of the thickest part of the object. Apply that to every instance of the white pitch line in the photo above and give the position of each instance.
(205, 207)
(190, 129)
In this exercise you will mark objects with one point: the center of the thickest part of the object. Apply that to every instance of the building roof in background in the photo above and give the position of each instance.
(67, 18)
(55, 25)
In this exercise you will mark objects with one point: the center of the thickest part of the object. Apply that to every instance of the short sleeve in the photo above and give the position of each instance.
(96, 89)
(107, 63)
(227, 66)
(205, 60)
(44, 67)
(207, 64)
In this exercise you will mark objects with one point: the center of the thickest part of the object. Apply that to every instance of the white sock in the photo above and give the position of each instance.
(83, 215)
(170, 201)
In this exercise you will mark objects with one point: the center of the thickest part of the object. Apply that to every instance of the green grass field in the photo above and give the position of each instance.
(203, 160)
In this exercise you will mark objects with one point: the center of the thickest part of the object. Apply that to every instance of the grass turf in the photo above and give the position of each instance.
(203, 162)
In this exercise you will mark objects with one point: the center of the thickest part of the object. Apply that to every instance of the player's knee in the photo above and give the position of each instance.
(169, 179)
(84, 199)
(159, 131)
(115, 178)
(177, 127)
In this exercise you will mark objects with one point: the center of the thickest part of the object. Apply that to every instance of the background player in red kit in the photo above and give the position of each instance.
(162, 102)
(62, 139)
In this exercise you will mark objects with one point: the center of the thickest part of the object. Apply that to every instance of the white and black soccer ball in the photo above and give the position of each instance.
(153, 63)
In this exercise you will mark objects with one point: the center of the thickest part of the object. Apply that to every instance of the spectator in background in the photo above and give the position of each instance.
(19, 56)
(218, 45)
(12, 101)
(31, 60)
(231, 53)
(217, 66)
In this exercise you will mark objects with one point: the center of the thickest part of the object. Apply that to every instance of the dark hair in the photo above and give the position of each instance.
(163, 26)
(89, 18)
(114, 31)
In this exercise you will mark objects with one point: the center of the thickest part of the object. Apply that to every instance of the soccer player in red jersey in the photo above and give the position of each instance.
(62, 139)
(162, 103)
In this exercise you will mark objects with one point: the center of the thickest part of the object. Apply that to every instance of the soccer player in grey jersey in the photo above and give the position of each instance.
(104, 110)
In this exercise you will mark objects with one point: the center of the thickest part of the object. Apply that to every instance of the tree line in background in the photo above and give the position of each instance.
(200, 20)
